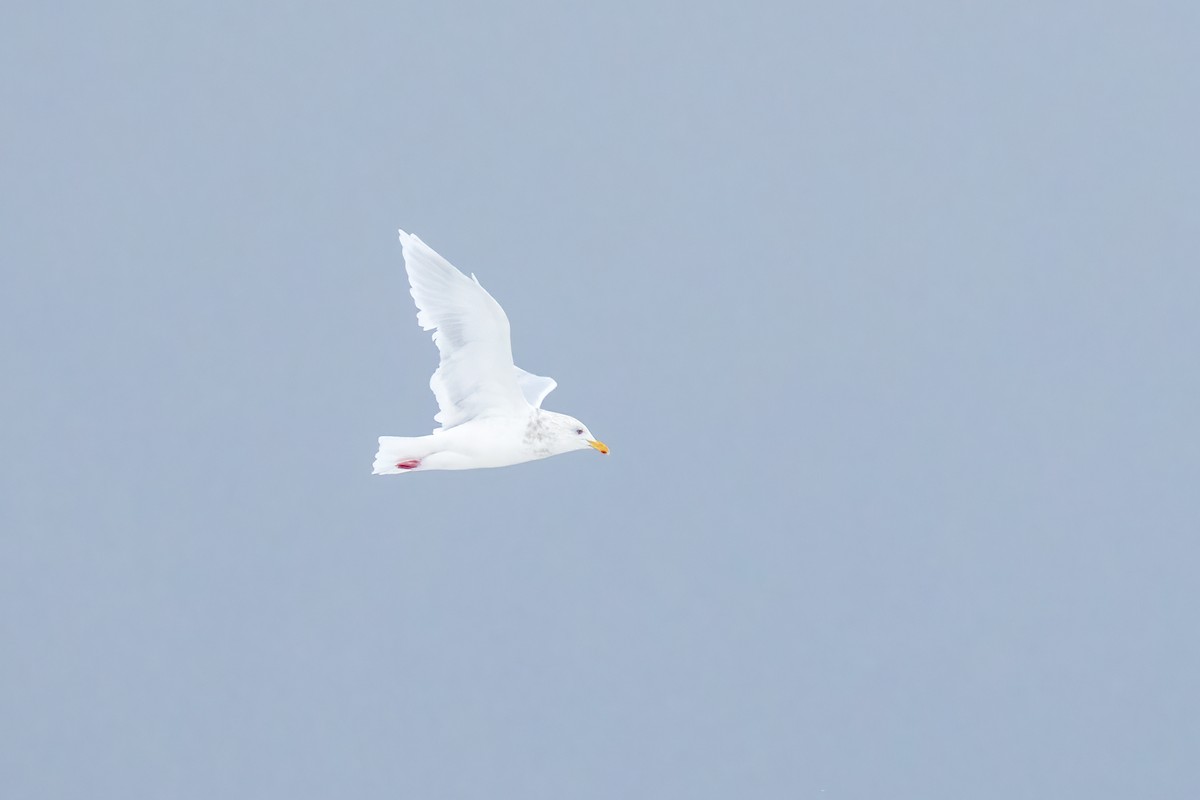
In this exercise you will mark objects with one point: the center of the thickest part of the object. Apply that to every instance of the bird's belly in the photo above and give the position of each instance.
(481, 444)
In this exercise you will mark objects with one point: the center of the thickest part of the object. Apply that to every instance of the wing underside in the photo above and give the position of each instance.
(476, 376)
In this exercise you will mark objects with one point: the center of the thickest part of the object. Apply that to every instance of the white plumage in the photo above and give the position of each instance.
(490, 409)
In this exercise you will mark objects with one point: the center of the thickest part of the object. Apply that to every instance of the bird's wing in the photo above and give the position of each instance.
(476, 376)
(534, 387)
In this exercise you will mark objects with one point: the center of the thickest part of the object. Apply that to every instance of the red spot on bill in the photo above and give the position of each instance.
(410, 464)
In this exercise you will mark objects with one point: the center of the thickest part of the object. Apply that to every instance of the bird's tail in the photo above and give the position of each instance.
(401, 454)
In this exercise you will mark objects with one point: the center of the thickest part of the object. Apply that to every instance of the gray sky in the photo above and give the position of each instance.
(887, 311)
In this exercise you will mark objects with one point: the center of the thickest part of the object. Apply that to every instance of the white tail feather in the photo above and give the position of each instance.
(394, 450)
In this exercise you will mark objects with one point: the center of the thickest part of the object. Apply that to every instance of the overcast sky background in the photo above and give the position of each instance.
(889, 313)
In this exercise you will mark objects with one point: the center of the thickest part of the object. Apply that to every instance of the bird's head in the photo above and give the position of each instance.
(568, 433)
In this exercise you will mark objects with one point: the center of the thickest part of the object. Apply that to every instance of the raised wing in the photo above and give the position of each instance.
(476, 376)
(534, 387)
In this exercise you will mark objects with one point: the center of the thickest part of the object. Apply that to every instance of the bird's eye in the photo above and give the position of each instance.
(579, 431)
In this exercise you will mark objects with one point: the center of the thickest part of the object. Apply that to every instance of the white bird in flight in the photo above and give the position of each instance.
(491, 410)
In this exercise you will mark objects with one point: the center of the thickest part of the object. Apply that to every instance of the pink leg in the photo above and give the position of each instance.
(412, 463)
